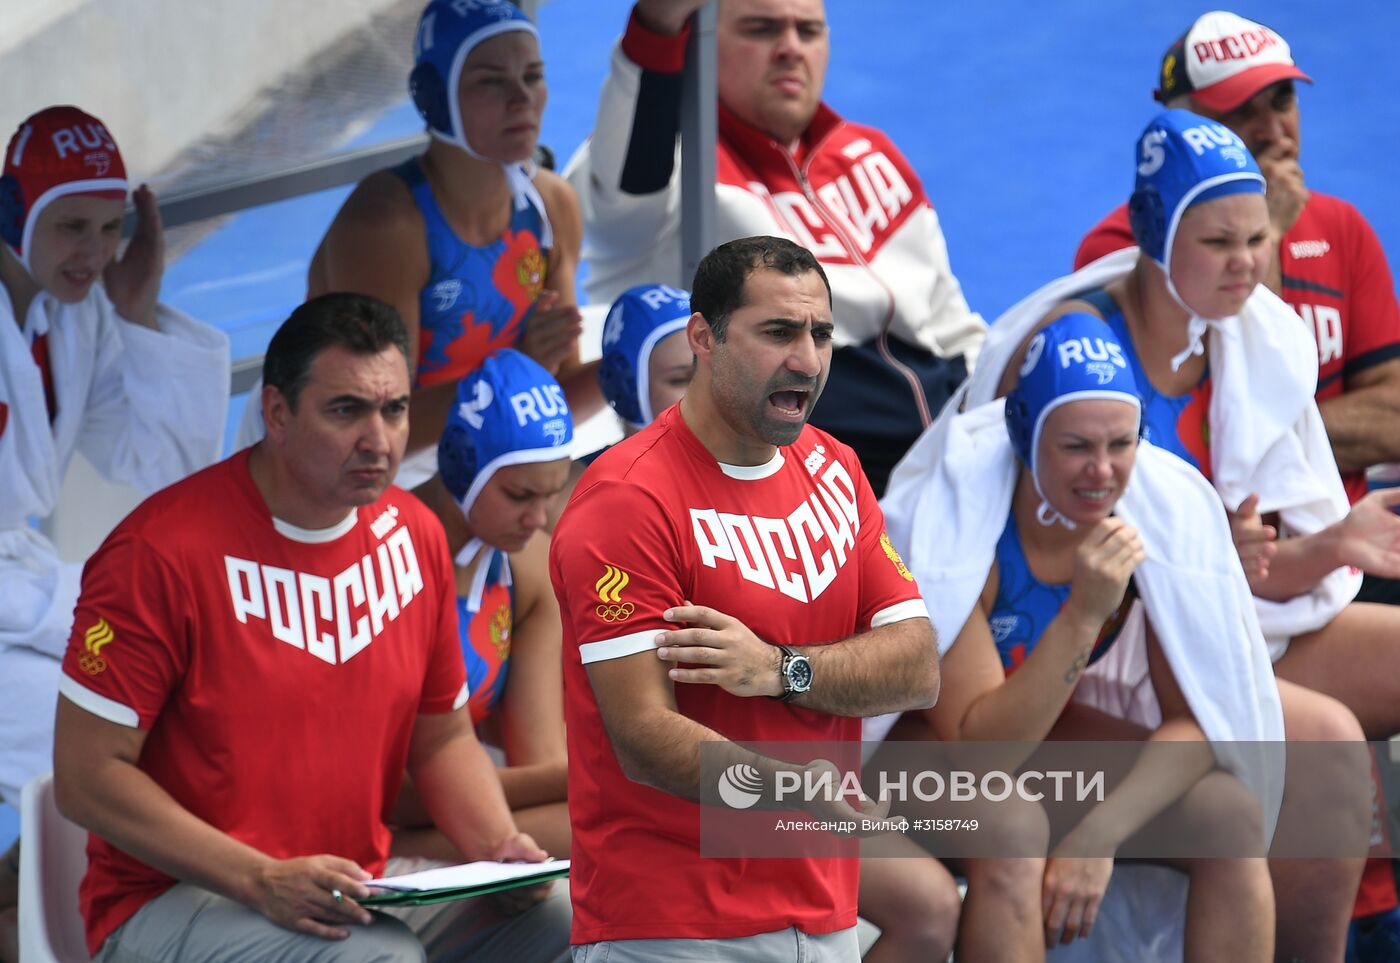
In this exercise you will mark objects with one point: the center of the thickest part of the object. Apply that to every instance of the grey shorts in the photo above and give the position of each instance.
(187, 924)
(780, 946)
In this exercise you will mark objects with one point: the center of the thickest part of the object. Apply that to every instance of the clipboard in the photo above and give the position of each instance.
(463, 881)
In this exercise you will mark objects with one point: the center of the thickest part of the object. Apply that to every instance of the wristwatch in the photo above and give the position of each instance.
(795, 672)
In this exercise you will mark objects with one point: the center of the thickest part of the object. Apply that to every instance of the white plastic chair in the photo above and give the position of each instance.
(52, 860)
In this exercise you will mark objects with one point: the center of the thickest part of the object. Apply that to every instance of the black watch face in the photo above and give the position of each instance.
(799, 675)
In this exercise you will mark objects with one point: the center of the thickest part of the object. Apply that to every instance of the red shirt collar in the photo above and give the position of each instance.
(752, 143)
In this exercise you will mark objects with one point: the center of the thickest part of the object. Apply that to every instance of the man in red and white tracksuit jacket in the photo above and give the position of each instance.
(787, 165)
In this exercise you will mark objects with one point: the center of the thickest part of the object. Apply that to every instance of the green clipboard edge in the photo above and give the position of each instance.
(426, 897)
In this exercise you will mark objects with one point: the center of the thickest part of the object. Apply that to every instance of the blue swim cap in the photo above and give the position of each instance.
(1074, 358)
(448, 30)
(1184, 159)
(639, 319)
(510, 411)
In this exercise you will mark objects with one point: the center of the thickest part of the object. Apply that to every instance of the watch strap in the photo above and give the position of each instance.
(788, 656)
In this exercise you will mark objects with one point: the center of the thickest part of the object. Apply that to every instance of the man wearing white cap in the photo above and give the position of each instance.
(1330, 266)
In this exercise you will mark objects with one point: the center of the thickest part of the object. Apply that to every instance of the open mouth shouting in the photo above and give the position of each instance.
(791, 403)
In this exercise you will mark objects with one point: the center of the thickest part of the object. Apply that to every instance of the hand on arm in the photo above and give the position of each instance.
(99, 786)
(655, 745)
(658, 747)
(883, 670)
(133, 280)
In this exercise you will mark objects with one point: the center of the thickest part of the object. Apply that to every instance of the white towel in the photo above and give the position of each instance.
(946, 507)
(1266, 433)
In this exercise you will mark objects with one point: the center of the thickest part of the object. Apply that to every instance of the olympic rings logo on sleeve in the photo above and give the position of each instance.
(615, 613)
(611, 607)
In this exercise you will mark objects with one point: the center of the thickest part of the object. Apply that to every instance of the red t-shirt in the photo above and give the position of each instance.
(1334, 275)
(278, 672)
(796, 551)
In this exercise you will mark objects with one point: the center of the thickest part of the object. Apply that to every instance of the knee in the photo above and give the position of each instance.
(1011, 881)
(922, 909)
(1015, 828)
(913, 900)
(1224, 818)
(1328, 760)
(927, 934)
(1310, 716)
(1016, 839)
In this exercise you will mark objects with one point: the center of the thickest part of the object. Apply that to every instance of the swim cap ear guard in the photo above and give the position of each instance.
(1148, 218)
(1076, 357)
(619, 384)
(457, 462)
(11, 211)
(1019, 424)
(429, 93)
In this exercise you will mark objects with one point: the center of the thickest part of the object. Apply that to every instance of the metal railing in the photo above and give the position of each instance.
(346, 168)
(699, 121)
(205, 203)
(698, 134)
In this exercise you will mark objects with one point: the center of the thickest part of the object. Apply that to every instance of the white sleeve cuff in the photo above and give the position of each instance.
(99, 705)
(912, 609)
(618, 648)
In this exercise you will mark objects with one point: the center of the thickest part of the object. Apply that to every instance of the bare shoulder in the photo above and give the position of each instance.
(529, 569)
(376, 245)
(380, 202)
(558, 195)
